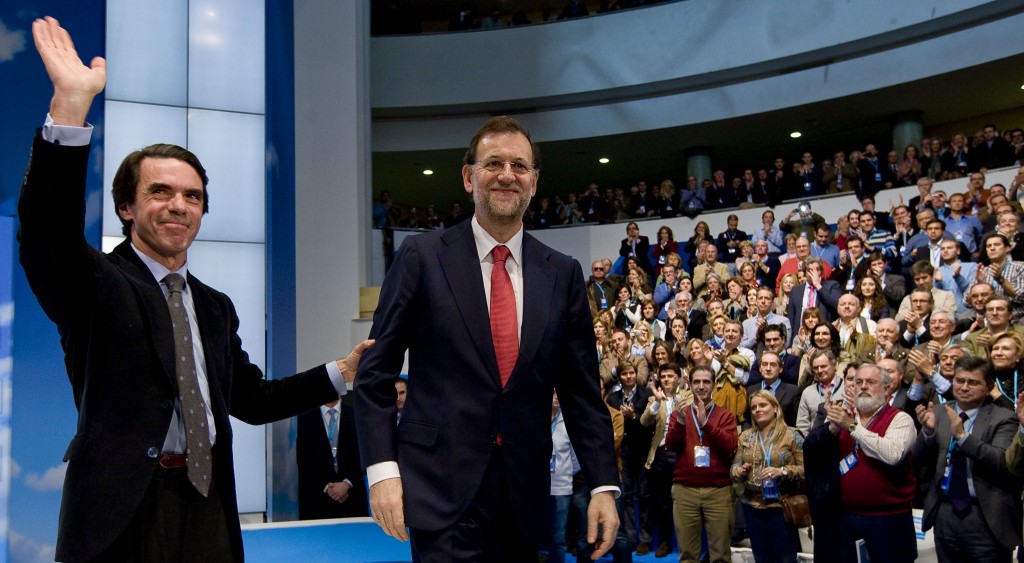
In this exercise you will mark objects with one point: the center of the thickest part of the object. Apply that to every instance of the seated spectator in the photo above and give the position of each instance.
(869, 291)
(636, 246)
(875, 491)
(703, 439)
(665, 400)
(924, 279)
(803, 251)
(823, 388)
(769, 464)
(666, 245)
(728, 242)
(769, 233)
(1004, 275)
(620, 353)
(773, 339)
(953, 275)
(765, 316)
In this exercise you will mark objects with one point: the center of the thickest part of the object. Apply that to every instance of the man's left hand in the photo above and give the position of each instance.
(602, 512)
(349, 365)
(338, 491)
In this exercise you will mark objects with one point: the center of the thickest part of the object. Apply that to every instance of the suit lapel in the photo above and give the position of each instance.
(538, 283)
(467, 287)
(155, 306)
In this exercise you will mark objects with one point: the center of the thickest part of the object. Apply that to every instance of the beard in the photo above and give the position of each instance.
(868, 405)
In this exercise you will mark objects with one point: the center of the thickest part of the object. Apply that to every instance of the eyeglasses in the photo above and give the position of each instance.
(519, 168)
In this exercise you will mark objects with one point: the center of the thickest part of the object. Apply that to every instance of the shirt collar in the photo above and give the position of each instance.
(158, 270)
(485, 243)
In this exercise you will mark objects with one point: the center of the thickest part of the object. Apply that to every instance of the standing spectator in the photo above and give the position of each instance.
(903, 228)
(703, 438)
(929, 247)
(781, 183)
(728, 242)
(840, 175)
(593, 208)
(801, 221)
(761, 191)
(787, 394)
(953, 275)
(574, 9)
(619, 354)
(636, 246)
(856, 340)
(665, 291)
(766, 267)
(815, 292)
(871, 172)
(765, 315)
(809, 177)
(769, 464)
(1004, 275)
(665, 245)
(641, 204)
(822, 248)
(564, 466)
(631, 399)
(455, 215)
(693, 199)
(882, 220)
(327, 458)
(993, 152)
(972, 502)
(996, 321)
(769, 233)
(774, 341)
(825, 386)
(876, 240)
(923, 199)
(433, 220)
(910, 167)
(711, 265)
(961, 155)
(870, 446)
(803, 252)
(600, 291)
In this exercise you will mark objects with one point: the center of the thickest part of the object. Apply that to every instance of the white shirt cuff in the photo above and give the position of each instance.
(334, 372)
(67, 135)
(380, 471)
(615, 490)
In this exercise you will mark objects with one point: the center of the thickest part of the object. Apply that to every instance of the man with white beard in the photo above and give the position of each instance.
(870, 443)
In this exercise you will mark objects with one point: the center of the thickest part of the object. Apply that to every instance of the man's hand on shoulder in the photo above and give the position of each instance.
(349, 365)
(74, 84)
(387, 506)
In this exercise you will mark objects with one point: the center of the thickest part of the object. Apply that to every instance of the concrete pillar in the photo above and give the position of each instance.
(698, 163)
(907, 129)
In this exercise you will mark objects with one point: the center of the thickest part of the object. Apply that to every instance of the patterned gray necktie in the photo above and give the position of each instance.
(193, 408)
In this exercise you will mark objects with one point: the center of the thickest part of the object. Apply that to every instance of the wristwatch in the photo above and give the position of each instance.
(785, 472)
(852, 427)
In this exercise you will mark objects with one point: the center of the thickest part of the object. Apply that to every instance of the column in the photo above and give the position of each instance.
(698, 163)
(907, 129)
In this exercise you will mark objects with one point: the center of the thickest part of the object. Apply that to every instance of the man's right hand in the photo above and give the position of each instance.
(388, 508)
(74, 84)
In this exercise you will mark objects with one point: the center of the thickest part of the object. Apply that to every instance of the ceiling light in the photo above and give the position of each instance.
(603, 160)
(795, 134)
(428, 172)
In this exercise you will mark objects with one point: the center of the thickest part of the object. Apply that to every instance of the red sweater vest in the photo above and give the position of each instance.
(871, 486)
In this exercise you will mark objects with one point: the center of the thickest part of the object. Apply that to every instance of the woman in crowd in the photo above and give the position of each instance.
(636, 279)
(701, 232)
(748, 275)
(673, 259)
(713, 288)
(910, 167)
(751, 293)
(790, 253)
(697, 354)
(782, 299)
(601, 336)
(1006, 352)
(626, 309)
(842, 233)
(666, 244)
(717, 326)
(769, 463)
(825, 337)
(661, 353)
(641, 340)
(803, 340)
(649, 312)
(735, 302)
(677, 338)
(869, 290)
(746, 253)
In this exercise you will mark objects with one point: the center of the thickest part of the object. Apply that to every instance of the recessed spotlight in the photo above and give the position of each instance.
(795, 134)
(603, 160)
(428, 172)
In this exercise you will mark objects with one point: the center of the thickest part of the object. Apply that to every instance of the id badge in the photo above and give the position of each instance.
(668, 207)
(947, 475)
(770, 489)
(604, 303)
(701, 456)
(661, 259)
(878, 176)
(959, 236)
(847, 463)
(643, 209)
(552, 463)
(839, 182)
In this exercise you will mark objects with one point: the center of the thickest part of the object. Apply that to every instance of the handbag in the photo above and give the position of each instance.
(796, 510)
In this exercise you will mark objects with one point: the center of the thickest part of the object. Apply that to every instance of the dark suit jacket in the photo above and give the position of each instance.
(643, 247)
(316, 465)
(828, 300)
(788, 396)
(118, 344)
(997, 490)
(636, 443)
(696, 323)
(432, 303)
(790, 369)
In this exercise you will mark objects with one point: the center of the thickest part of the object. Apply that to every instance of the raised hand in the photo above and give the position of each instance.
(926, 416)
(74, 84)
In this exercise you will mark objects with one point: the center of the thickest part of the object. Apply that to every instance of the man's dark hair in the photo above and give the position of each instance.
(972, 363)
(921, 267)
(670, 366)
(496, 126)
(822, 227)
(126, 180)
(938, 222)
(778, 327)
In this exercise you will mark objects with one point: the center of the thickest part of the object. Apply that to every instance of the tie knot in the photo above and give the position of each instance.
(174, 282)
(964, 417)
(500, 253)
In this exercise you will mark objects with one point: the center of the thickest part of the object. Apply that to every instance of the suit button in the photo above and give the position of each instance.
(153, 452)
(167, 404)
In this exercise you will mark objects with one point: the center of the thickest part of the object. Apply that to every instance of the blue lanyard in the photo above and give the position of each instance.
(601, 289)
(700, 431)
(1015, 388)
(767, 452)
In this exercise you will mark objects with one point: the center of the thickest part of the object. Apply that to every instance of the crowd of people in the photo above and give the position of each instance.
(869, 361)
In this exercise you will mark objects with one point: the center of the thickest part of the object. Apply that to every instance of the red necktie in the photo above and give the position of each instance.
(504, 320)
(812, 296)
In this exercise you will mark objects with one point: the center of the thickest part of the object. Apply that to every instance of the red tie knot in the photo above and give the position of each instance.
(500, 254)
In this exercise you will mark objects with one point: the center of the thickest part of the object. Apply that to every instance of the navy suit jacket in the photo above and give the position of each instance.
(828, 300)
(316, 465)
(433, 305)
(118, 344)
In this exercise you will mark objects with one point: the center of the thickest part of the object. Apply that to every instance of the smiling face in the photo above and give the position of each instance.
(502, 180)
(822, 336)
(167, 210)
(762, 411)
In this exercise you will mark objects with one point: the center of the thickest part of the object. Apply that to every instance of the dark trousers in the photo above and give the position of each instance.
(173, 523)
(771, 537)
(966, 537)
(487, 532)
(634, 493)
(888, 538)
(659, 491)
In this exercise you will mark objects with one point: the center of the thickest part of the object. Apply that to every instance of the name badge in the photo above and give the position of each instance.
(878, 176)
(643, 209)
(661, 259)
(604, 303)
(668, 207)
(552, 463)
(959, 235)
(947, 477)
(701, 456)
(770, 489)
(848, 463)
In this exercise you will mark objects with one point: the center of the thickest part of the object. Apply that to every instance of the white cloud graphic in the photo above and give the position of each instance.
(26, 550)
(12, 42)
(51, 480)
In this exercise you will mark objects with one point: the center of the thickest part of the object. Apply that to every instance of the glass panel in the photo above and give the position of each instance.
(226, 54)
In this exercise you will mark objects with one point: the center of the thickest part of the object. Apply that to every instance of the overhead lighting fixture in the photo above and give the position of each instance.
(428, 172)
(603, 160)
(796, 134)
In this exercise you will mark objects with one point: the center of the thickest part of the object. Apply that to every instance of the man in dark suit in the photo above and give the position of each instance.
(815, 292)
(696, 319)
(327, 456)
(787, 394)
(976, 511)
(153, 354)
(631, 399)
(493, 321)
